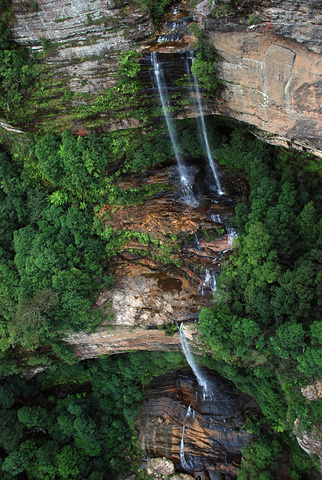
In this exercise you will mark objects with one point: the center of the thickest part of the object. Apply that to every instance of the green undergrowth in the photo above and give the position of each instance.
(204, 65)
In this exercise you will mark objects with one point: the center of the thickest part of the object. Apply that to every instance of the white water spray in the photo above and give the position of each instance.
(163, 94)
(201, 379)
(197, 242)
(232, 234)
(186, 464)
(203, 126)
(209, 281)
(216, 218)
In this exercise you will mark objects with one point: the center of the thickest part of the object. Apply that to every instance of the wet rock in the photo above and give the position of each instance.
(213, 433)
(160, 466)
(181, 476)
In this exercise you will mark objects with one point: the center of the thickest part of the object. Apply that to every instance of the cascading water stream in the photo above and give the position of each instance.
(232, 234)
(186, 464)
(209, 281)
(202, 381)
(163, 94)
(203, 125)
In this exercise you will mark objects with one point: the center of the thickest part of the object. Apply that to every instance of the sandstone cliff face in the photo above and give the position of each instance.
(159, 283)
(89, 37)
(272, 71)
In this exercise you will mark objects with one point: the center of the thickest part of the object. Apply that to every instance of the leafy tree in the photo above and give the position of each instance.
(11, 430)
(17, 71)
(67, 461)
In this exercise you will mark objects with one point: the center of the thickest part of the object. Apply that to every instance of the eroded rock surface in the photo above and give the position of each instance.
(162, 466)
(88, 36)
(109, 340)
(271, 70)
(164, 281)
(314, 391)
(271, 82)
(211, 427)
(310, 441)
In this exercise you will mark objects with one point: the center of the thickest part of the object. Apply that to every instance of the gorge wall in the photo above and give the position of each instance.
(270, 69)
(161, 283)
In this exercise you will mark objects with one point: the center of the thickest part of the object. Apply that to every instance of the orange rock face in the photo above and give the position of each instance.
(162, 278)
(273, 83)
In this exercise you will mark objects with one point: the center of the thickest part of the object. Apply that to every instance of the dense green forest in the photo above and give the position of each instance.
(76, 420)
(54, 427)
(265, 326)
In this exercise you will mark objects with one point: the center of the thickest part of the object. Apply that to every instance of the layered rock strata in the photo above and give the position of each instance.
(202, 433)
(164, 277)
(271, 66)
(270, 82)
(87, 37)
(271, 70)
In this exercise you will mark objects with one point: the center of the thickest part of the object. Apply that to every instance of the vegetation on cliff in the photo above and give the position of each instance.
(264, 328)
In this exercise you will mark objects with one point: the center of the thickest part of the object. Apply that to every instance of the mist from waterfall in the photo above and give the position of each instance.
(165, 102)
(201, 379)
(202, 125)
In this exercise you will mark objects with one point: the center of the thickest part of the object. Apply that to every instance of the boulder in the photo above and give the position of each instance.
(160, 466)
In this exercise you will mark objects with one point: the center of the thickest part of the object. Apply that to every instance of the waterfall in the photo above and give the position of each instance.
(232, 234)
(209, 281)
(203, 126)
(163, 94)
(197, 242)
(216, 218)
(186, 464)
(190, 359)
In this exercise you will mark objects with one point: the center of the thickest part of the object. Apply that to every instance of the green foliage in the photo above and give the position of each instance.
(264, 327)
(75, 164)
(17, 72)
(87, 433)
(254, 19)
(158, 8)
(205, 62)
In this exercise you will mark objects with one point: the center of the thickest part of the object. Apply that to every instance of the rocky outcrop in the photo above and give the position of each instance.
(314, 391)
(196, 433)
(299, 20)
(309, 441)
(84, 39)
(109, 340)
(160, 466)
(271, 69)
(163, 277)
